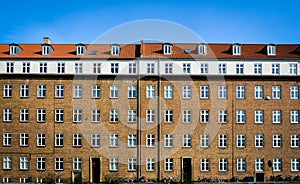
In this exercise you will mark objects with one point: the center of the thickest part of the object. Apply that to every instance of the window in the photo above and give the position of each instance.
(257, 68)
(294, 116)
(239, 68)
(150, 91)
(77, 115)
(150, 140)
(271, 50)
(7, 115)
(77, 164)
(114, 68)
(204, 92)
(293, 69)
(41, 91)
(41, 163)
(186, 92)
(131, 164)
(168, 116)
(222, 93)
(259, 116)
(205, 164)
(169, 164)
(24, 163)
(78, 68)
(258, 92)
(187, 116)
(168, 92)
(240, 140)
(277, 141)
(277, 165)
(223, 164)
(95, 140)
(96, 91)
(295, 141)
(115, 50)
(132, 116)
(26, 67)
(59, 115)
(59, 163)
(77, 140)
(77, 91)
(276, 69)
(222, 116)
(167, 48)
(24, 90)
(113, 140)
(23, 180)
(132, 68)
(41, 140)
(187, 141)
(24, 115)
(113, 164)
(9, 67)
(14, 50)
(46, 50)
(97, 68)
(294, 92)
(222, 68)
(7, 180)
(59, 91)
(114, 91)
(223, 141)
(7, 162)
(202, 49)
(150, 164)
(43, 67)
(59, 180)
(186, 68)
(131, 91)
(295, 164)
(240, 92)
(132, 140)
(204, 140)
(240, 116)
(59, 140)
(60, 67)
(96, 115)
(41, 115)
(81, 49)
(259, 140)
(169, 143)
(241, 165)
(150, 116)
(7, 91)
(203, 68)
(168, 68)
(276, 116)
(276, 92)
(114, 116)
(7, 139)
(236, 49)
(150, 68)
(204, 116)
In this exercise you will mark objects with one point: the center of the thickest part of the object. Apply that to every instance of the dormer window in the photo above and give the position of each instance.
(167, 49)
(46, 50)
(236, 49)
(115, 50)
(81, 49)
(14, 49)
(271, 50)
(202, 49)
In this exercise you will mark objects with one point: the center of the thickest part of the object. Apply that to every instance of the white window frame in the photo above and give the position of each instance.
(59, 164)
(132, 164)
(150, 164)
(258, 92)
(239, 68)
(241, 164)
(295, 141)
(259, 116)
(294, 116)
(169, 116)
(259, 165)
(132, 91)
(293, 68)
(43, 67)
(96, 91)
(41, 140)
(186, 68)
(24, 163)
(114, 68)
(59, 91)
(115, 50)
(61, 67)
(114, 91)
(77, 115)
(7, 90)
(204, 68)
(96, 116)
(204, 92)
(132, 116)
(41, 91)
(59, 115)
(277, 164)
(77, 91)
(187, 141)
(24, 90)
(132, 140)
(132, 68)
(150, 91)
(204, 116)
(222, 92)
(223, 141)
(240, 92)
(150, 68)
(186, 116)
(114, 116)
(95, 140)
(24, 115)
(241, 116)
(257, 68)
(150, 140)
(150, 116)
(7, 139)
(169, 164)
(113, 140)
(113, 164)
(223, 165)
(295, 164)
(275, 67)
(96, 68)
(223, 116)
(271, 50)
(294, 92)
(168, 68)
(59, 140)
(9, 67)
(276, 92)
(204, 141)
(78, 68)
(41, 115)
(41, 163)
(240, 140)
(259, 141)
(276, 116)
(77, 164)
(24, 139)
(169, 140)
(204, 164)
(77, 140)
(167, 49)
(7, 115)
(186, 92)
(277, 140)
(26, 67)
(222, 67)
(7, 162)
(168, 92)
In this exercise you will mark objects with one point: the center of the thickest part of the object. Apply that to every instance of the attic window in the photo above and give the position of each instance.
(271, 50)
(46, 50)
(167, 49)
(115, 50)
(81, 49)
(202, 49)
(14, 50)
(236, 49)
(94, 52)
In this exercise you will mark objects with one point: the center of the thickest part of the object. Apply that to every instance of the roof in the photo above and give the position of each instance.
(153, 50)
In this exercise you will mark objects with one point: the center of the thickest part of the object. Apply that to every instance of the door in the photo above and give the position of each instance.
(77, 177)
(96, 170)
(260, 177)
(186, 170)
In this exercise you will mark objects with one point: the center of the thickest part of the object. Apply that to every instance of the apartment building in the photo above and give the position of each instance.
(91, 112)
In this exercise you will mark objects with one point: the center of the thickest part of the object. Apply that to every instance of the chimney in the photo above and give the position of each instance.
(142, 49)
(47, 40)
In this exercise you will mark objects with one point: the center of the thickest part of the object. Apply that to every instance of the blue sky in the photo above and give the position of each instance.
(222, 21)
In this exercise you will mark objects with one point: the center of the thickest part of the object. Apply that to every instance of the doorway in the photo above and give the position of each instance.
(96, 170)
(260, 177)
(77, 178)
(186, 170)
